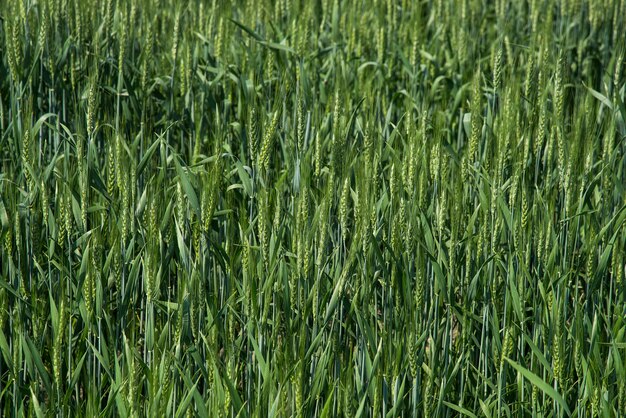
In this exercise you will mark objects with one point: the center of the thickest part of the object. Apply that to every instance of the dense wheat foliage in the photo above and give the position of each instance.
(371, 208)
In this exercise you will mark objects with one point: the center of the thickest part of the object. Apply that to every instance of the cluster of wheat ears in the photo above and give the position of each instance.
(268, 208)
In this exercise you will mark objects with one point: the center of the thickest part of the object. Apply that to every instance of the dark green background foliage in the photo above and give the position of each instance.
(333, 208)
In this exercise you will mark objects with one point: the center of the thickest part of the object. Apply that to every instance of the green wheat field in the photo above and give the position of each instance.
(298, 208)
